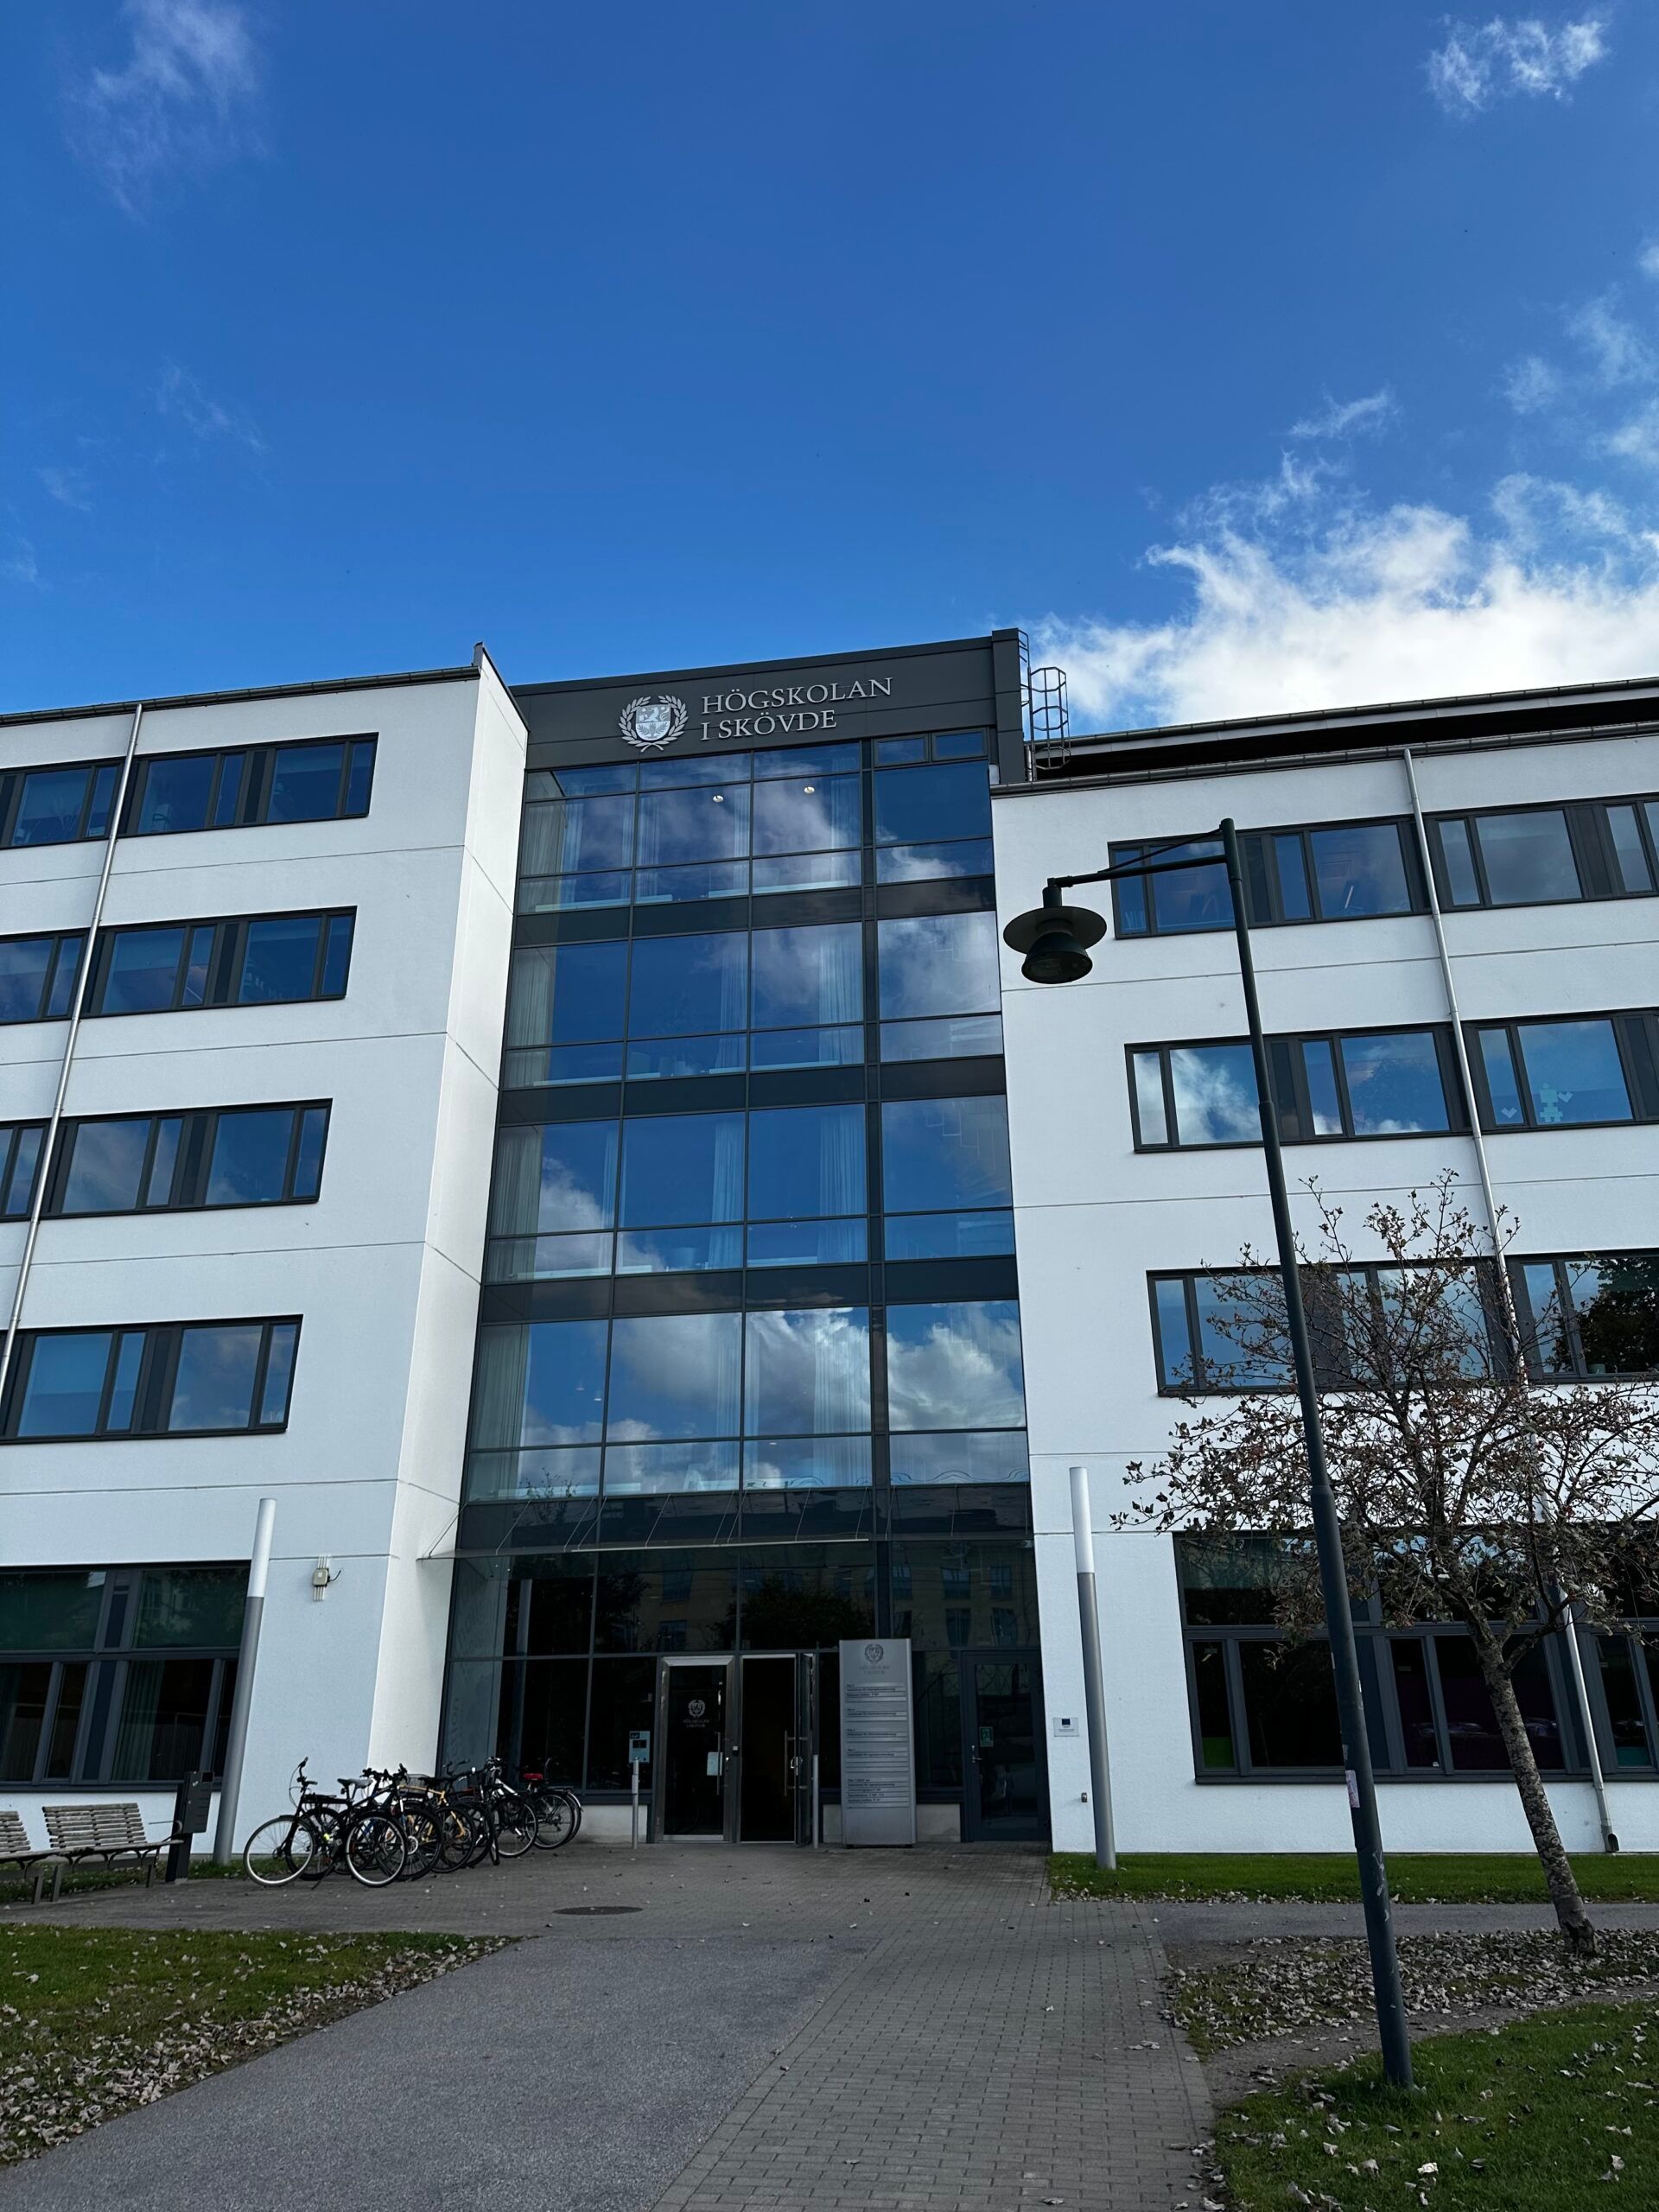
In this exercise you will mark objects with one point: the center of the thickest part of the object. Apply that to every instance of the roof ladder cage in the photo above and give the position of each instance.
(1049, 715)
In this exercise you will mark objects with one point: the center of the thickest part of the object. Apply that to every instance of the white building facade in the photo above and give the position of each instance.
(1137, 1172)
(261, 1221)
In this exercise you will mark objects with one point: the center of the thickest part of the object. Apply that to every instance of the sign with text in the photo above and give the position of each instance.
(878, 1747)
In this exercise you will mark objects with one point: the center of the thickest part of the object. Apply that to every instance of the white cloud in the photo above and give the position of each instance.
(180, 102)
(1637, 440)
(1343, 604)
(1531, 385)
(1617, 352)
(179, 395)
(1648, 260)
(18, 565)
(1341, 418)
(70, 488)
(1483, 62)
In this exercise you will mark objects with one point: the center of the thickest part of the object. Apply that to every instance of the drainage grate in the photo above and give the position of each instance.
(595, 1909)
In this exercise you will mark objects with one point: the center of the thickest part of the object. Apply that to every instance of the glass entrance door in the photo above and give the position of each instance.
(694, 1747)
(1005, 1783)
(766, 1778)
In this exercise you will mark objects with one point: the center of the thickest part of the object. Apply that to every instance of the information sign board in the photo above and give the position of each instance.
(878, 1748)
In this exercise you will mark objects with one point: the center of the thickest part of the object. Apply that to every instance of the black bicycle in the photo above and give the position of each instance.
(558, 1809)
(322, 1832)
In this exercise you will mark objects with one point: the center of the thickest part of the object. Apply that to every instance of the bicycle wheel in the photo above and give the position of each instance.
(555, 1825)
(424, 1834)
(376, 1852)
(280, 1851)
(515, 1823)
(456, 1840)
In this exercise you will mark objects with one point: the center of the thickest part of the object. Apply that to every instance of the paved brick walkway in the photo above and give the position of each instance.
(953, 2044)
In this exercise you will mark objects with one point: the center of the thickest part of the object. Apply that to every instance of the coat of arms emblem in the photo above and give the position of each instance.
(649, 724)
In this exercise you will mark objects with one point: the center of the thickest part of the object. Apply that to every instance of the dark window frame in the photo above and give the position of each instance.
(194, 1159)
(1635, 1040)
(1595, 855)
(225, 963)
(59, 940)
(1559, 1262)
(1285, 1063)
(12, 1134)
(1263, 894)
(152, 1401)
(255, 770)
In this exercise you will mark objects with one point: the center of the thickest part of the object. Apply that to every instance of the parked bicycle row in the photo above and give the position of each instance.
(387, 1826)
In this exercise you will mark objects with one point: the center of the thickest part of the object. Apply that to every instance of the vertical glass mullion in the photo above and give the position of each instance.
(1436, 1699)
(1567, 1306)
(1344, 1103)
(1233, 1673)
(256, 1396)
(1168, 1082)
(1388, 1701)
(291, 1166)
(49, 1721)
(1190, 1294)
(112, 1363)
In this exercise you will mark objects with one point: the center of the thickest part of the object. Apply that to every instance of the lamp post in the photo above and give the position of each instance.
(1055, 940)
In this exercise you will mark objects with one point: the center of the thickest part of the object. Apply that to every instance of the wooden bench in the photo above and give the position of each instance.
(103, 1832)
(16, 1850)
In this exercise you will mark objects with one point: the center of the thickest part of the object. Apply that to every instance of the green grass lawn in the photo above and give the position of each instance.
(94, 2021)
(19, 1889)
(1414, 1877)
(1535, 2117)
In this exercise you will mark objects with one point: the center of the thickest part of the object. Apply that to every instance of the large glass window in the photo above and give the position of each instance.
(57, 806)
(956, 1366)
(1589, 1316)
(228, 1156)
(675, 1375)
(323, 780)
(148, 1380)
(264, 959)
(1381, 1082)
(1559, 1074)
(946, 1179)
(679, 1172)
(1345, 871)
(37, 976)
(940, 986)
(1584, 848)
(553, 1199)
(807, 1373)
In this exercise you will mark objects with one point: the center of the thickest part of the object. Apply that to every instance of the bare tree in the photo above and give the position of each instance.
(1467, 1493)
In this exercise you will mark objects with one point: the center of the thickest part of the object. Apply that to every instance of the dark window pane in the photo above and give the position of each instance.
(800, 1597)
(105, 781)
(1624, 1715)
(308, 1169)
(1215, 1721)
(158, 1184)
(573, 834)
(539, 1385)
(938, 965)
(665, 1601)
(552, 1717)
(807, 1373)
(1549, 1349)
(279, 1374)
(1290, 1705)
(25, 963)
(337, 957)
(995, 1584)
(17, 1192)
(967, 1036)
(699, 825)
(682, 986)
(144, 970)
(249, 1166)
(959, 745)
(1617, 1305)
(1462, 885)
(623, 1700)
(1498, 1063)
(807, 976)
(802, 761)
(677, 1250)
(305, 783)
(124, 1387)
(955, 1366)
(648, 1470)
(1325, 1105)
(1232, 1317)
(806, 1161)
(682, 1167)
(674, 1374)
(804, 871)
(1191, 898)
(359, 776)
(24, 1692)
(945, 1153)
(1471, 1724)
(1635, 869)
(808, 1243)
(198, 959)
(901, 748)
(567, 996)
(1393, 1083)
(948, 1235)
(806, 814)
(807, 1462)
(280, 962)
(1294, 903)
(1359, 869)
(1417, 1706)
(50, 805)
(560, 1177)
(107, 1163)
(1227, 1580)
(1175, 1340)
(1129, 894)
(556, 1599)
(950, 1456)
(65, 1383)
(176, 794)
(1574, 1073)
(1528, 856)
(934, 863)
(61, 993)
(50, 1611)
(227, 803)
(1215, 1095)
(197, 1606)
(66, 1723)
(214, 1387)
(163, 1719)
(914, 804)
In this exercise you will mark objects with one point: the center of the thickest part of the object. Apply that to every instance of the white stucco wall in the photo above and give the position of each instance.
(1093, 1216)
(384, 1268)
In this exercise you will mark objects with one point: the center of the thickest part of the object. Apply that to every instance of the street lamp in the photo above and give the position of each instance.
(1055, 940)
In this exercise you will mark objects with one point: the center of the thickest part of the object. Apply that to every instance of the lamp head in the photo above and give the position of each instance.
(1055, 938)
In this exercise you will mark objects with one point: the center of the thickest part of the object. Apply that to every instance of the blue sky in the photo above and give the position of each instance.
(1250, 358)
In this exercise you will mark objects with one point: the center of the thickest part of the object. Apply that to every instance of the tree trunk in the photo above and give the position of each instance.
(1534, 1802)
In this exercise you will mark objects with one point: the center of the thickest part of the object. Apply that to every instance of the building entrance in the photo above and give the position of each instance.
(694, 1700)
(737, 1743)
(1005, 1781)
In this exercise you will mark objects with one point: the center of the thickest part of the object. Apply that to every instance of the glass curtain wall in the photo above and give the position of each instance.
(749, 1370)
